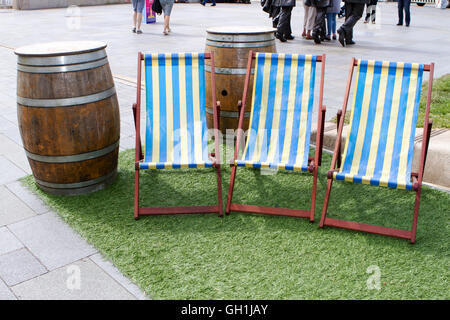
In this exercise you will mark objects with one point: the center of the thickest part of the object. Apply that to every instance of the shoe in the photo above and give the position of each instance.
(289, 37)
(348, 42)
(213, 5)
(316, 37)
(334, 36)
(202, 3)
(304, 33)
(341, 37)
(280, 37)
(138, 31)
(365, 21)
(407, 25)
(327, 38)
(400, 24)
(373, 22)
(134, 30)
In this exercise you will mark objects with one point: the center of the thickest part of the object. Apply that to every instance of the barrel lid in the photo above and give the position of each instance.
(240, 29)
(60, 48)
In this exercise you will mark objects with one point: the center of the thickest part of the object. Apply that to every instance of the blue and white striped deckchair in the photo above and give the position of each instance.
(280, 121)
(380, 144)
(175, 131)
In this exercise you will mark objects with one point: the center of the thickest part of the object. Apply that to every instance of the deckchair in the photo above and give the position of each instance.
(280, 123)
(175, 132)
(380, 143)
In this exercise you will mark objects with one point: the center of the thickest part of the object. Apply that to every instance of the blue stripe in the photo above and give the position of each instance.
(176, 108)
(370, 119)
(310, 108)
(356, 116)
(256, 105)
(384, 124)
(297, 110)
(393, 174)
(149, 107)
(283, 108)
(189, 108)
(201, 88)
(162, 108)
(270, 107)
(414, 124)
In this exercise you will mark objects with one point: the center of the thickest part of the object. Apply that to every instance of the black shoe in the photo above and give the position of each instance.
(134, 30)
(316, 37)
(327, 38)
(213, 5)
(280, 37)
(407, 24)
(341, 37)
(202, 3)
(289, 37)
(347, 42)
(400, 24)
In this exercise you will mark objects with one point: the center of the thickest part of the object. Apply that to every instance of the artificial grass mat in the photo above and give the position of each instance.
(246, 256)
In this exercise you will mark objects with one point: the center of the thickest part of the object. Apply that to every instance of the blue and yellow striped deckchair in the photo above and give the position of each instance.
(280, 122)
(175, 131)
(380, 143)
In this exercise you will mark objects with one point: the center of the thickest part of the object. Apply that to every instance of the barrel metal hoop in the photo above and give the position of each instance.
(240, 44)
(75, 157)
(241, 38)
(234, 71)
(81, 184)
(63, 69)
(228, 114)
(66, 102)
(61, 60)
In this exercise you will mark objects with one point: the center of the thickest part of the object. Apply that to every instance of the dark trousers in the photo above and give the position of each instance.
(353, 12)
(284, 21)
(404, 5)
(319, 22)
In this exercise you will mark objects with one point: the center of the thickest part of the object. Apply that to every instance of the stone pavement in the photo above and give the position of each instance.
(40, 256)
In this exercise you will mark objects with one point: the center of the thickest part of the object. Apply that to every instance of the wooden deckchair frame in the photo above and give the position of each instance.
(313, 163)
(416, 177)
(139, 157)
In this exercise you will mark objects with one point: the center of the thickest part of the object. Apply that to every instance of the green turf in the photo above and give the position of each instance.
(245, 256)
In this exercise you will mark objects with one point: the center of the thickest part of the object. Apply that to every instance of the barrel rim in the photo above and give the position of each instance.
(60, 48)
(236, 30)
(61, 60)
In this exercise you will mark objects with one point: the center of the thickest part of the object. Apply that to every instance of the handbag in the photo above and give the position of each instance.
(156, 7)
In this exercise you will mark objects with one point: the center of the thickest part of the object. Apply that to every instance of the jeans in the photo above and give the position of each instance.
(331, 23)
(404, 5)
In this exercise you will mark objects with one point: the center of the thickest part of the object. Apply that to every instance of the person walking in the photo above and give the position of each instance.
(319, 29)
(354, 10)
(167, 9)
(308, 20)
(404, 5)
(284, 31)
(332, 12)
(203, 2)
(138, 7)
(371, 9)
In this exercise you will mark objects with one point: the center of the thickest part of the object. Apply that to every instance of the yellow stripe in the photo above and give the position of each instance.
(290, 110)
(169, 108)
(392, 125)
(377, 123)
(196, 104)
(156, 106)
(183, 115)
(363, 118)
(304, 111)
(263, 110)
(351, 117)
(276, 109)
(408, 125)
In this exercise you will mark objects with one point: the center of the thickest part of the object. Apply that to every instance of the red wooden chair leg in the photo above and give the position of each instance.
(230, 191)
(136, 194)
(416, 214)
(314, 191)
(325, 203)
(219, 190)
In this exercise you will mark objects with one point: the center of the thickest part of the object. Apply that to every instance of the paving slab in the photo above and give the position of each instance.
(114, 273)
(8, 242)
(52, 241)
(63, 284)
(12, 209)
(19, 266)
(9, 171)
(28, 197)
(5, 292)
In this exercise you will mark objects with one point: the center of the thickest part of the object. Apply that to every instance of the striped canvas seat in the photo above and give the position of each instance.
(175, 135)
(281, 112)
(380, 143)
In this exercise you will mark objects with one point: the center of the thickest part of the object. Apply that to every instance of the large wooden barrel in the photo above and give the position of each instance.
(68, 115)
(231, 46)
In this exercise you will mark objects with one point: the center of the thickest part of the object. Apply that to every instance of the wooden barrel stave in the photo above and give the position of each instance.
(69, 117)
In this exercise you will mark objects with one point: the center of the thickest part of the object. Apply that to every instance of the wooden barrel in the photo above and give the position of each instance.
(68, 115)
(231, 46)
